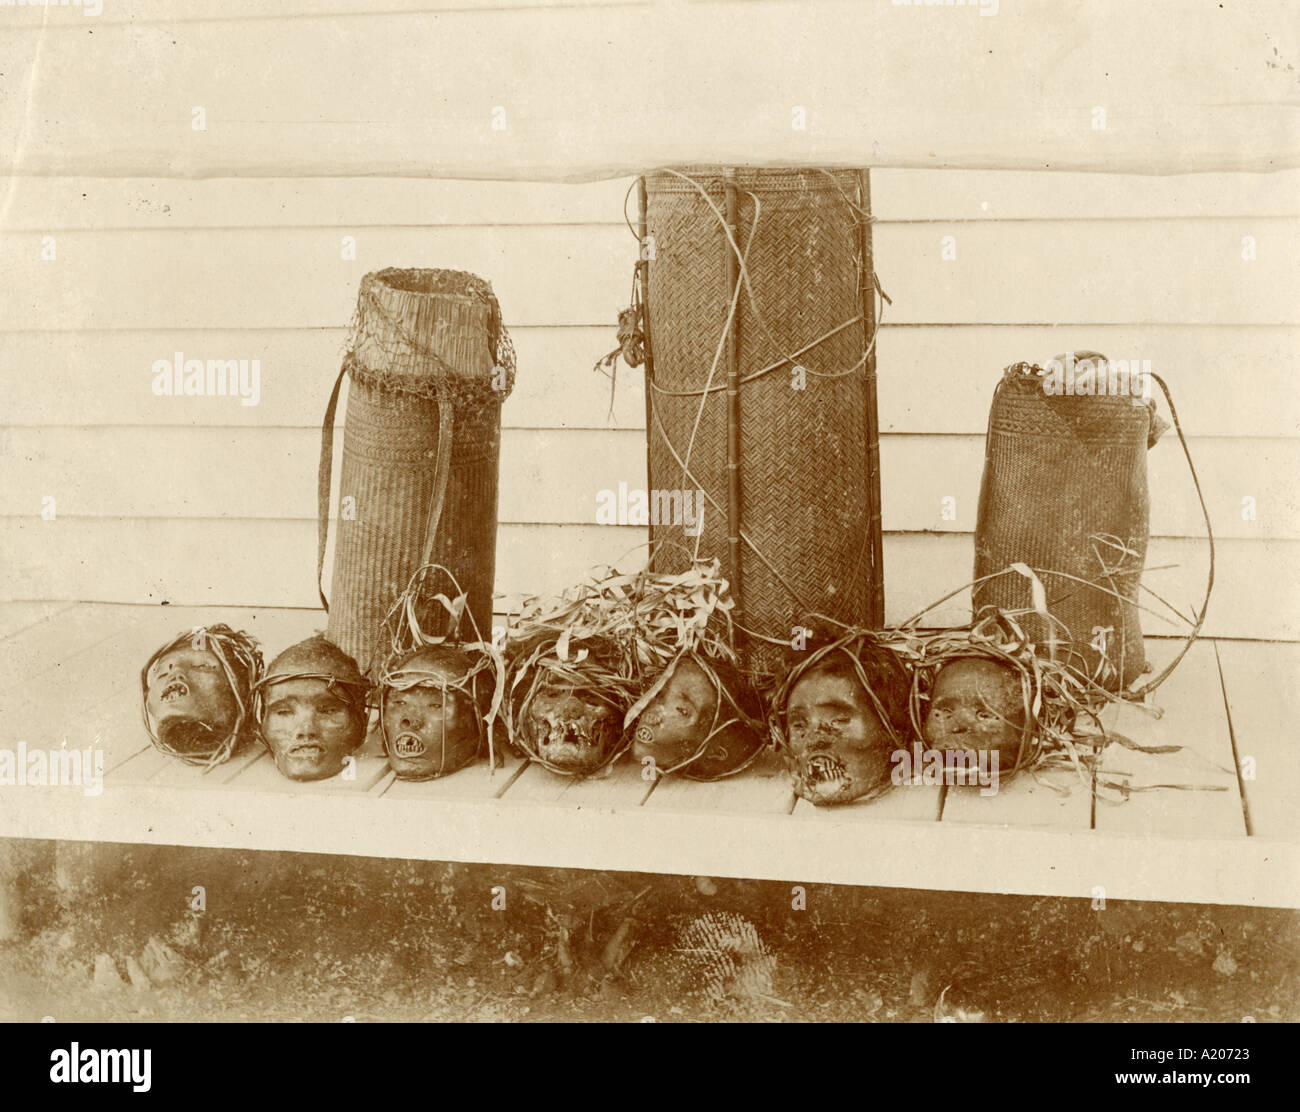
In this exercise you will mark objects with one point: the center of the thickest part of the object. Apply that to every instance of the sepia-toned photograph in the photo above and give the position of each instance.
(675, 511)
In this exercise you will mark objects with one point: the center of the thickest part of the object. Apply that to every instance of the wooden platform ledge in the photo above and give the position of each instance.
(1230, 705)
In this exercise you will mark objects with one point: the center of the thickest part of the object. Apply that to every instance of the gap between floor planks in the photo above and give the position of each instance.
(116, 632)
(1262, 700)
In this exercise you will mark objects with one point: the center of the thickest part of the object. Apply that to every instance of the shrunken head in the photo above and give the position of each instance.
(977, 704)
(197, 693)
(569, 729)
(701, 722)
(430, 715)
(839, 732)
(312, 709)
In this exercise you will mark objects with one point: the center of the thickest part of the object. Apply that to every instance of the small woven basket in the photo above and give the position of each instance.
(429, 365)
(1064, 491)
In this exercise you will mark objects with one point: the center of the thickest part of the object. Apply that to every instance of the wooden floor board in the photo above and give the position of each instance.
(169, 770)
(27, 658)
(762, 789)
(18, 616)
(905, 803)
(78, 697)
(74, 673)
(88, 660)
(1055, 798)
(618, 786)
(1193, 717)
(85, 703)
(472, 782)
(140, 766)
(1262, 682)
(924, 855)
(117, 728)
(91, 694)
(156, 768)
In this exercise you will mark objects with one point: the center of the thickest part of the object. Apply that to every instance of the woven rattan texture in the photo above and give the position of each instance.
(803, 453)
(425, 331)
(389, 457)
(1061, 475)
(421, 339)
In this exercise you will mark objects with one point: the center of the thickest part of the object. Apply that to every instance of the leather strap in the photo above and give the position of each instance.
(323, 478)
(442, 471)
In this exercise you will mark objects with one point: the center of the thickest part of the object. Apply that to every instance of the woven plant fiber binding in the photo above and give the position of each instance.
(1064, 491)
(803, 452)
(429, 364)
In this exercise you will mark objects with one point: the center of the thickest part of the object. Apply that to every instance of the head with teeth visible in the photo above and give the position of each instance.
(432, 703)
(197, 693)
(312, 709)
(704, 722)
(569, 728)
(839, 717)
(978, 704)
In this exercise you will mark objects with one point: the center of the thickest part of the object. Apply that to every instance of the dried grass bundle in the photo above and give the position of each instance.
(701, 714)
(574, 671)
(1063, 702)
(587, 666)
(1059, 723)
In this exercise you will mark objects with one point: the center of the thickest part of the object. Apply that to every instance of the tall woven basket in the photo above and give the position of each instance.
(795, 522)
(1064, 491)
(429, 364)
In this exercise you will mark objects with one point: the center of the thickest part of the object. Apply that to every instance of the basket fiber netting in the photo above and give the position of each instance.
(428, 357)
(1064, 490)
(437, 333)
(803, 452)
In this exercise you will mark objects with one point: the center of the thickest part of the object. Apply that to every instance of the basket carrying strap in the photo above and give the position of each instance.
(323, 477)
(442, 472)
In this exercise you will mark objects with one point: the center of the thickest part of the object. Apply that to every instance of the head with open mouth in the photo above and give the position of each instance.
(197, 693)
(432, 703)
(839, 716)
(312, 709)
(569, 727)
(704, 721)
(978, 704)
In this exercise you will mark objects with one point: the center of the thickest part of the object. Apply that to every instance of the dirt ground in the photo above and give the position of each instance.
(277, 936)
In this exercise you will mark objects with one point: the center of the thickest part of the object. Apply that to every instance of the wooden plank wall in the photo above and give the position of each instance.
(207, 501)
(593, 89)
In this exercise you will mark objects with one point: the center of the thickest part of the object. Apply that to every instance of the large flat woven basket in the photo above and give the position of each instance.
(806, 501)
